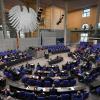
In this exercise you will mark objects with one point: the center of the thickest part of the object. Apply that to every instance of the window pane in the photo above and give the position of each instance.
(86, 13)
(22, 35)
(98, 25)
(87, 10)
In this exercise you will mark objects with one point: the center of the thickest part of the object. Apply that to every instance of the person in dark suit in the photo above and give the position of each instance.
(48, 79)
(41, 94)
(53, 91)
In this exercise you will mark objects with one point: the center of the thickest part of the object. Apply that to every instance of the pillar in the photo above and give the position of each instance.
(38, 27)
(3, 18)
(97, 16)
(65, 24)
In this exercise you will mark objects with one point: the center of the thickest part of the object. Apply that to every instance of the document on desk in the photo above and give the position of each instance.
(72, 88)
(27, 87)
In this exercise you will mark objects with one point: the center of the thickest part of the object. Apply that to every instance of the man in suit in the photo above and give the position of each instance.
(53, 91)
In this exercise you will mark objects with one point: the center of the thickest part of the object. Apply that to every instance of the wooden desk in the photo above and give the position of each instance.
(55, 61)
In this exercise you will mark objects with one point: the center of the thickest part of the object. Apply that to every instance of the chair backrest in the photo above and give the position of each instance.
(29, 96)
(53, 97)
(30, 82)
(65, 97)
(77, 97)
(98, 90)
(57, 83)
(53, 91)
(65, 83)
(85, 94)
(38, 83)
(47, 84)
(72, 82)
(41, 98)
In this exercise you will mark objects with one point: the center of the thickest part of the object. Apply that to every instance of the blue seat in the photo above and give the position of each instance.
(41, 98)
(51, 74)
(8, 75)
(65, 97)
(31, 82)
(85, 94)
(98, 90)
(72, 82)
(47, 84)
(29, 96)
(57, 83)
(24, 79)
(65, 83)
(77, 97)
(53, 97)
(20, 95)
(38, 83)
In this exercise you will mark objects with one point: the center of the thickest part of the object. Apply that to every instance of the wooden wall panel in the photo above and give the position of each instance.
(52, 15)
(75, 19)
(74, 37)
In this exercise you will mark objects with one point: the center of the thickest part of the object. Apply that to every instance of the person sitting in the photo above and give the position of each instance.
(51, 74)
(78, 93)
(22, 68)
(48, 79)
(39, 77)
(53, 91)
(41, 94)
(28, 65)
(38, 65)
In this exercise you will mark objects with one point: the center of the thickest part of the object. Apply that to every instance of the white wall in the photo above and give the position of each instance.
(49, 41)
(52, 33)
(27, 42)
(24, 43)
(48, 37)
(7, 44)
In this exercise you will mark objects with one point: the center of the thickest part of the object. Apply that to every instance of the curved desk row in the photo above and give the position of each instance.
(16, 87)
(54, 78)
(55, 61)
(45, 73)
(14, 62)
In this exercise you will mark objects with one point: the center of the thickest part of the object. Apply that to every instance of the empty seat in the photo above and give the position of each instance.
(65, 97)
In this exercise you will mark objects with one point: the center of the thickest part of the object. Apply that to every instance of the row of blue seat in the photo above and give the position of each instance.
(57, 48)
(47, 83)
(31, 96)
(44, 68)
(85, 44)
(8, 52)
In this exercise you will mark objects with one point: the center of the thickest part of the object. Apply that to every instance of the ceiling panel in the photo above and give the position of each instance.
(72, 4)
